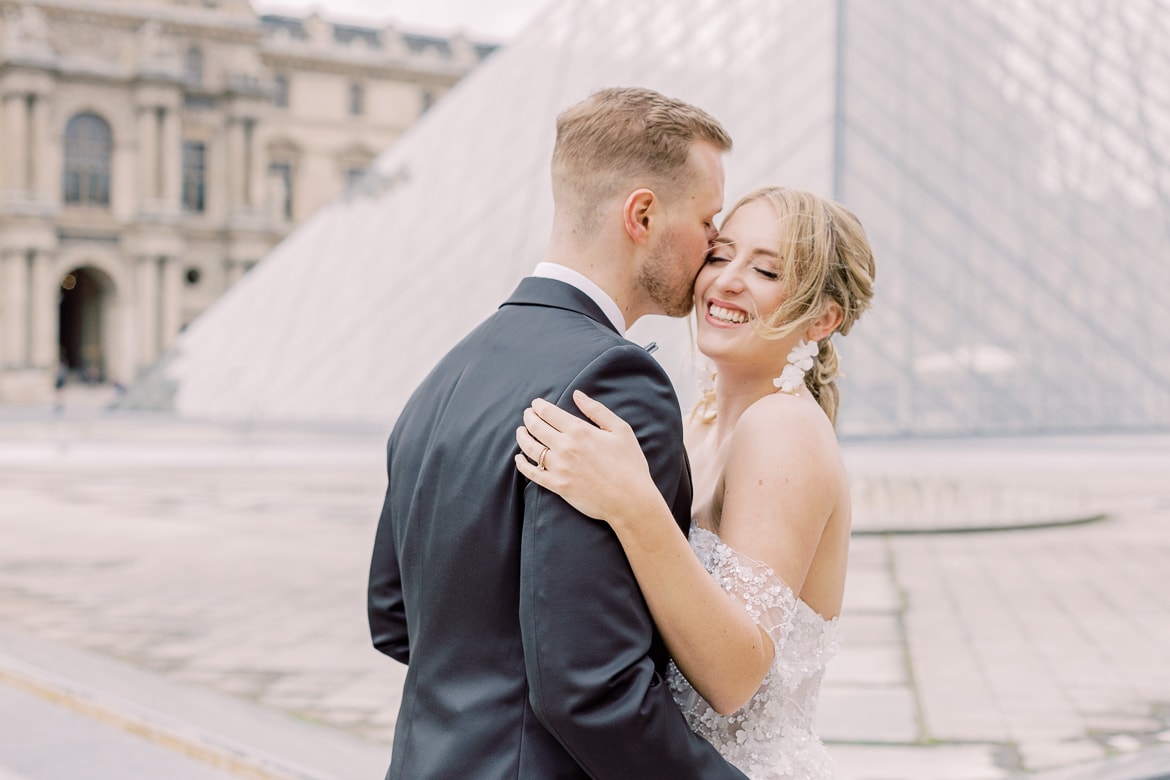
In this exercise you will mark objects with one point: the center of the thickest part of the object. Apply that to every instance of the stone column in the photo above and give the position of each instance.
(120, 340)
(242, 162)
(14, 287)
(250, 162)
(16, 144)
(172, 157)
(147, 155)
(236, 174)
(44, 290)
(170, 311)
(148, 306)
(38, 149)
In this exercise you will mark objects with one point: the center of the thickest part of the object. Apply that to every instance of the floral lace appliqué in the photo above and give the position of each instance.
(773, 736)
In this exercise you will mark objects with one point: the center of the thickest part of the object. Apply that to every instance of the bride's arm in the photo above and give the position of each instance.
(711, 638)
(783, 482)
(602, 472)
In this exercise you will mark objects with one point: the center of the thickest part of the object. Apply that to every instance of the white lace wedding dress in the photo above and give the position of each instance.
(773, 736)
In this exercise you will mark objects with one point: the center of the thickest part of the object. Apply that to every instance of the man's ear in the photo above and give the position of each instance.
(640, 205)
(824, 325)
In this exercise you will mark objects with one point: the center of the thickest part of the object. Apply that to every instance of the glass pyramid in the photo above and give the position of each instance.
(1010, 160)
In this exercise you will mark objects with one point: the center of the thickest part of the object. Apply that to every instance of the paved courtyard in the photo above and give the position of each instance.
(234, 560)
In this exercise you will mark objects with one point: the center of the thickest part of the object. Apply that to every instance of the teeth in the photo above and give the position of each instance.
(727, 315)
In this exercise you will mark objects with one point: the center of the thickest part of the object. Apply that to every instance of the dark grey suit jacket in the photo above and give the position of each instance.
(531, 652)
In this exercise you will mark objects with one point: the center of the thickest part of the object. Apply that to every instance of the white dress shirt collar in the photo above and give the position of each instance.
(589, 287)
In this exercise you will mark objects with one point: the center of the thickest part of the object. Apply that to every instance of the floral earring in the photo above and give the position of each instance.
(800, 360)
(706, 406)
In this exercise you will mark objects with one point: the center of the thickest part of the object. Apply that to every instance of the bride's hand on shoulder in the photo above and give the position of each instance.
(598, 468)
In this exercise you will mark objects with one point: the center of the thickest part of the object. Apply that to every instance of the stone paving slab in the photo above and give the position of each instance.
(35, 729)
(1151, 764)
(937, 762)
(211, 730)
(234, 579)
(234, 559)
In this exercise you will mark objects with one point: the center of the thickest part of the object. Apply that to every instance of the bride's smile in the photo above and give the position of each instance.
(770, 511)
(739, 284)
(725, 315)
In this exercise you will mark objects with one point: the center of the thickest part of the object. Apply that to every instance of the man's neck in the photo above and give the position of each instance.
(601, 269)
(575, 278)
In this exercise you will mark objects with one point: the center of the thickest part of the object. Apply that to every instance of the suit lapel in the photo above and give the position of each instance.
(541, 291)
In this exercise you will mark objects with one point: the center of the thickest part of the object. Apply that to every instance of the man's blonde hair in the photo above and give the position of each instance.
(622, 138)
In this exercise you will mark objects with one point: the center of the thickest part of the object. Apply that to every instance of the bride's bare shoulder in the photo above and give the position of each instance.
(787, 435)
(788, 418)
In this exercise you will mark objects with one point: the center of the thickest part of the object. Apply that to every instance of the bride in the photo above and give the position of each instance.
(749, 608)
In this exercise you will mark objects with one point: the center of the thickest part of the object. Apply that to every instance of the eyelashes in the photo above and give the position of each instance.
(764, 272)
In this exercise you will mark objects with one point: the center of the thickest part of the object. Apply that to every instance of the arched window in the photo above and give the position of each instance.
(89, 145)
(193, 67)
(194, 176)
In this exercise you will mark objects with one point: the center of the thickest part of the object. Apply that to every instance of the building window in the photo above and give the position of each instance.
(194, 175)
(200, 102)
(357, 99)
(353, 175)
(428, 100)
(193, 66)
(281, 176)
(280, 91)
(89, 145)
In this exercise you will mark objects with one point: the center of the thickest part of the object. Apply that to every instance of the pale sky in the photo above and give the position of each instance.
(497, 19)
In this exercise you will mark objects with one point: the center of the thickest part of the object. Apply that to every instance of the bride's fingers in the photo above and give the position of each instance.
(529, 445)
(557, 417)
(598, 412)
(529, 469)
(541, 430)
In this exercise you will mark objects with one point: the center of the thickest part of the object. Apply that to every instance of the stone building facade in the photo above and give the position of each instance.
(152, 151)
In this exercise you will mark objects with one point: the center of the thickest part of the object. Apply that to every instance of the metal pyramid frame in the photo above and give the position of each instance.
(1010, 160)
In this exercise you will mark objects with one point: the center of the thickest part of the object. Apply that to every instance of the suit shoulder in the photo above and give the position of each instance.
(625, 377)
(630, 359)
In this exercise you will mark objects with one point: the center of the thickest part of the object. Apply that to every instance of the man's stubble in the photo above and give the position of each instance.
(665, 280)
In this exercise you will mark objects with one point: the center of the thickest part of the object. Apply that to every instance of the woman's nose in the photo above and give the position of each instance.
(730, 278)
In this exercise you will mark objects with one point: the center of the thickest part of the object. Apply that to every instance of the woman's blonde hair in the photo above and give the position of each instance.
(825, 258)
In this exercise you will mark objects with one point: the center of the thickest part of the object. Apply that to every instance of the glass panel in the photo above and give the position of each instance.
(194, 154)
(282, 173)
(88, 147)
(1007, 157)
(357, 99)
(280, 91)
(193, 66)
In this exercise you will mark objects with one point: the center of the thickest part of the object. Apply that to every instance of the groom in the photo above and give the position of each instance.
(530, 651)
